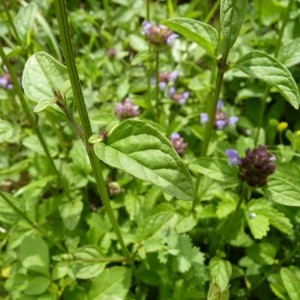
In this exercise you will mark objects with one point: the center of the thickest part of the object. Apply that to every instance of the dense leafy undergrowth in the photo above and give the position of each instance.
(149, 149)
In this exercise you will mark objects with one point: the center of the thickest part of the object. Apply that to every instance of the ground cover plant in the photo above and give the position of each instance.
(149, 149)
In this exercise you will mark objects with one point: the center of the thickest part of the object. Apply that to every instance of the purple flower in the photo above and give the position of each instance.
(233, 157)
(232, 120)
(204, 118)
(178, 143)
(178, 97)
(220, 105)
(220, 124)
(158, 35)
(5, 79)
(126, 109)
(165, 78)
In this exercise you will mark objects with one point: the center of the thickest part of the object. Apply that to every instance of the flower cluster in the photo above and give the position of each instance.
(221, 118)
(255, 167)
(165, 78)
(126, 109)
(178, 143)
(158, 35)
(5, 79)
(178, 97)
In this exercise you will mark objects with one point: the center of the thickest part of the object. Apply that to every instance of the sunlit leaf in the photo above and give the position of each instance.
(220, 272)
(201, 33)
(260, 65)
(291, 281)
(139, 149)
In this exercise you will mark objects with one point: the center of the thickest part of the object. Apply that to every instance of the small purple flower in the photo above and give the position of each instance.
(5, 79)
(158, 35)
(178, 97)
(232, 120)
(220, 105)
(178, 143)
(204, 118)
(233, 157)
(165, 78)
(127, 109)
(220, 124)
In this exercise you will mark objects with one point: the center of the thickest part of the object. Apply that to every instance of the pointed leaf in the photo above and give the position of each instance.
(112, 284)
(232, 18)
(43, 74)
(215, 168)
(291, 283)
(284, 189)
(260, 65)
(289, 53)
(34, 254)
(24, 20)
(220, 272)
(201, 33)
(137, 148)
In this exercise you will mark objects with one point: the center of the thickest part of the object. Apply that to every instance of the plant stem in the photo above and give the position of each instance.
(212, 105)
(30, 118)
(61, 12)
(267, 89)
(244, 195)
(212, 12)
(11, 23)
(157, 90)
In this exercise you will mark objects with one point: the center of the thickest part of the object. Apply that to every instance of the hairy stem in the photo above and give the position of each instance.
(61, 12)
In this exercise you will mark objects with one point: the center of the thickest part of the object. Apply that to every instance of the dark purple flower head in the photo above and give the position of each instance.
(178, 143)
(127, 109)
(158, 35)
(111, 53)
(255, 167)
(178, 97)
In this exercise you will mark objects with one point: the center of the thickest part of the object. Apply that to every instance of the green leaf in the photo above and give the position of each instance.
(215, 292)
(216, 168)
(154, 224)
(284, 189)
(259, 226)
(7, 214)
(275, 217)
(220, 272)
(201, 33)
(8, 132)
(289, 53)
(290, 282)
(34, 254)
(260, 65)
(263, 253)
(232, 18)
(277, 286)
(24, 20)
(70, 213)
(112, 284)
(139, 149)
(43, 74)
(37, 285)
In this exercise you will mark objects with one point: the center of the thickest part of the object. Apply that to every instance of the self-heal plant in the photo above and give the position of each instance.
(178, 143)
(221, 118)
(126, 109)
(166, 78)
(178, 97)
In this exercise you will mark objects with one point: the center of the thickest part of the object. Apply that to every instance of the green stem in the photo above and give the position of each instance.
(212, 105)
(61, 12)
(245, 194)
(267, 89)
(31, 119)
(157, 90)
(11, 23)
(212, 12)
(29, 222)
(170, 9)
(148, 10)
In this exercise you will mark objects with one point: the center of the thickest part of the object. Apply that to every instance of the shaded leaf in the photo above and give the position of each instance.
(37, 285)
(139, 149)
(263, 253)
(201, 33)
(232, 18)
(8, 132)
(112, 284)
(70, 213)
(260, 65)
(220, 272)
(291, 282)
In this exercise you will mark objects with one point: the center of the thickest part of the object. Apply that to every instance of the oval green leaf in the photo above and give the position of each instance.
(201, 33)
(260, 65)
(232, 18)
(43, 74)
(139, 149)
(291, 282)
